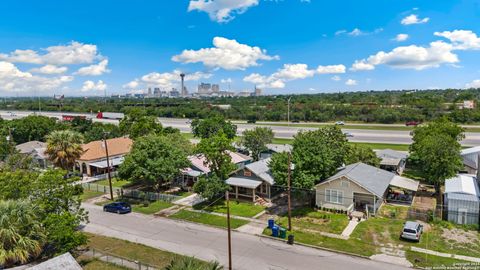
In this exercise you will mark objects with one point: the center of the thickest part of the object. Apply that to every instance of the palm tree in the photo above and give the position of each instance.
(190, 263)
(64, 147)
(21, 234)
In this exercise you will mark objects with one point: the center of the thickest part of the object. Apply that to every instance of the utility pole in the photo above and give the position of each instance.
(108, 165)
(229, 232)
(288, 111)
(289, 193)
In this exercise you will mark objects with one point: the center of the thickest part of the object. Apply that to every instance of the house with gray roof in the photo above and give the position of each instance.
(462, 198)
(62, 262)
(36, 150)
(391, 160)
(253, 181)
(470, 159)
(275, 148)
(360, 187)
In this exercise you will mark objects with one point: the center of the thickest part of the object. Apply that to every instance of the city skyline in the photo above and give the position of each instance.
(279, 46)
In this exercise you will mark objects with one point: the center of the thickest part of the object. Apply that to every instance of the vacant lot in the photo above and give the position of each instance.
(310, 220)
(116, 182)
(237, 208)
(208, 219)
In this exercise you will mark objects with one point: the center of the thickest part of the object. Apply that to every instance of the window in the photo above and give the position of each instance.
(247, 173)
(345, 184)
(334, 196)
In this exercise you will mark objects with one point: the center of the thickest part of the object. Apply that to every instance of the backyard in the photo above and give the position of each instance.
(116, 182)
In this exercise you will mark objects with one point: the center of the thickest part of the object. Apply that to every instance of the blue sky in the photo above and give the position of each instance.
(291, 46)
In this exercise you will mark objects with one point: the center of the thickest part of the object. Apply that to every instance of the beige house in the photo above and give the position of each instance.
(360, 187)
(94, 158)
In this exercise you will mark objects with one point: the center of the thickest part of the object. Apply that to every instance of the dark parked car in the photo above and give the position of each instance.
(412, 123)
(118, 207)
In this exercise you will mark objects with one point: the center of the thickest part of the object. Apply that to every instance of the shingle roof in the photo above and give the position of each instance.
(62, 262)
(260, 169)
(198, 161)
(370, 178)
(470, 150)
(389, 153)
(279, 148)
(29, 147)
(96, 150)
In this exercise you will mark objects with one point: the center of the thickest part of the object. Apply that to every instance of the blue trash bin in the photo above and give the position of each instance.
(275, 231)
(271, 223)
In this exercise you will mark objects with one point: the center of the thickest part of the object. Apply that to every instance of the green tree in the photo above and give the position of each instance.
(21, 233)
(16, 184)
(32, 128)
(210, 187)
(279, 168)
(317, 155)
(155, 160)
(256, 140)
(360, 153)
(211, 126)
(64, 147)
(59, 208)
(436, 149)
(97, 130)
(216, 150)
(190, 263)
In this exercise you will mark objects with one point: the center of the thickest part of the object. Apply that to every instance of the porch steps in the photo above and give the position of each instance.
(261, 201)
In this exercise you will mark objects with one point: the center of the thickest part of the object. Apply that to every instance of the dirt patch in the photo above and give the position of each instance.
(424, 202)
(318, 221)
(460, 236)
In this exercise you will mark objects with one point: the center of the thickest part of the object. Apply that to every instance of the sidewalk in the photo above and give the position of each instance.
(446, 255)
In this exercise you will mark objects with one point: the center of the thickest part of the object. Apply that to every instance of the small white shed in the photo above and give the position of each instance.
(462, 198)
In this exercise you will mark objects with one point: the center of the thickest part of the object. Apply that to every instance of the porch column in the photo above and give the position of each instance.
(374, 205)
(236, 192)
(253, 198)
(89, 171)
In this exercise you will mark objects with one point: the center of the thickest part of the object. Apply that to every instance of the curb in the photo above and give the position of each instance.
(316, 247)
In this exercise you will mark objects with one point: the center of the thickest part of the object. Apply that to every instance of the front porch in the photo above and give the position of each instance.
(248, 188)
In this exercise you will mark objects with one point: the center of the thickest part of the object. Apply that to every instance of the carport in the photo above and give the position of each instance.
(402, 190)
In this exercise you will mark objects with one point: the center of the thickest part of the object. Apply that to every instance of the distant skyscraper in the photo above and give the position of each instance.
(157, 92)
(183, 89)
(149, 91)
(204, 88)
(258, 91)
(215, 88)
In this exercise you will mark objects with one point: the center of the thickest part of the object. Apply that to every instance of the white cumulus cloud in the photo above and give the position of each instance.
(227, 54)
(461, 39)
(94, 70)
(131, 85)
(473, 84)
(73, 53)
(351, 82)
(414, 19)
(166, 80)
(92, 86)
(228, 80)
(331, 69)
(222, 11)
(401, 37)
(336, 78)
(49, 69)
(410, 57)
(14, 80)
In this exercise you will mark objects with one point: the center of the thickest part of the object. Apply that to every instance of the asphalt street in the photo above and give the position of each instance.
(208, 243)
(287, 132)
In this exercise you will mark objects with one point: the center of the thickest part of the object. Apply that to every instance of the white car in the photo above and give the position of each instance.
(348, 134)
(412, 231)
(340, 123)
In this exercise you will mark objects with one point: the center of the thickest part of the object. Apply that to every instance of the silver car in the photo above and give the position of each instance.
(412, 231)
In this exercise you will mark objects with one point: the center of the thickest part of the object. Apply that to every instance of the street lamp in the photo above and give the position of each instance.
(289, 186)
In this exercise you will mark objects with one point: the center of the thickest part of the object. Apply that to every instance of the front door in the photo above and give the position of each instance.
(462, 216)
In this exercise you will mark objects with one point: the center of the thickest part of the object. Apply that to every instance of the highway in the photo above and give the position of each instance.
(286, 132)
(209, 244)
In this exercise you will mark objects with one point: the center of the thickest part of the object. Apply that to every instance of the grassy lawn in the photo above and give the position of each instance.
(100, 265)
(131, 251)
(88, 194)
(398, 147)
(424, 260)
(309, 220)
(237, 208)
(208, 219)
(152, 208)
(115, 182)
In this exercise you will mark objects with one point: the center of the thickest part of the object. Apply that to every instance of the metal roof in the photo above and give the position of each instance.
(462, 197)
(29, 147)
(103, 164)
(471, 150)
(405, 183)
(390, 161)
(243, 182)
(462, 183)
(370, 178)
(279, 148)
(261, 170)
